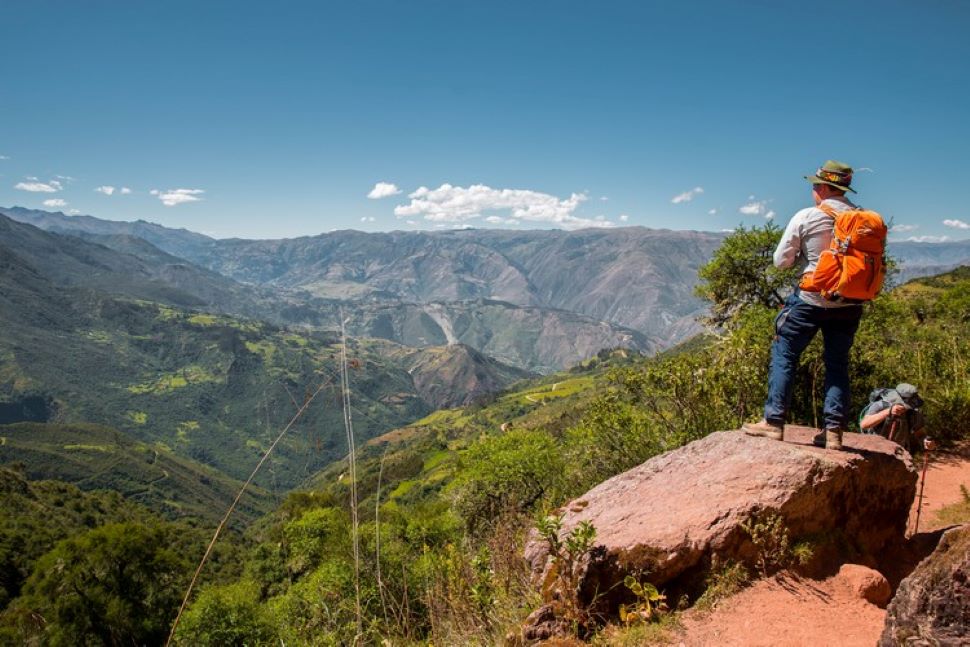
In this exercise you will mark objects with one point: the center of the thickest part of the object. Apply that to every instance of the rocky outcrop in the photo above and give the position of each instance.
(932, 605)
(665, 519)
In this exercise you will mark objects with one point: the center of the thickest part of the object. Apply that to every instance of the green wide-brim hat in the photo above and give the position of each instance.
(834, 174)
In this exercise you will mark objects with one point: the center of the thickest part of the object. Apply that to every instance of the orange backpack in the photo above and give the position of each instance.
(853, 267)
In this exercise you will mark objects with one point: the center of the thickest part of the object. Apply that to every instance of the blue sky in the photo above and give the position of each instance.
(278, 119)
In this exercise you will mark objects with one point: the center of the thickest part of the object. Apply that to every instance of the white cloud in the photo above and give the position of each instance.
(74, 212)
(770, 215)
(36, 186)
(457, 204)
(957, 224)
(367, 219)
(172, 197)
(107, 190)
(687, 196)
(499, 220)
(712, 212)
(603, 198)
(4, 157)
(928, 239)
(754, 207)
(412, 222)
(902, 229)
(383, 190)
(55, 202)
(125, 190)
(624, 217)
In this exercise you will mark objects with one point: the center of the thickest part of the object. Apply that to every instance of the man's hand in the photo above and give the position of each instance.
(897, 410)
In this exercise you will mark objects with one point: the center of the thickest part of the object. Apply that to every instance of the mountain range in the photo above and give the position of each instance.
(514, 295)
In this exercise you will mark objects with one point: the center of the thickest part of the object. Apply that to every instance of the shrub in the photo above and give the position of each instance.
(775, 551)
(506, 473)
(561, 584)
(226, 615)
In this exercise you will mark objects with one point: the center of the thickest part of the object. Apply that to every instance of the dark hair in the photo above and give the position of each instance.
(834, 189)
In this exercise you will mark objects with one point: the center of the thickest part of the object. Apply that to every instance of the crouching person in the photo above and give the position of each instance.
(895, 414)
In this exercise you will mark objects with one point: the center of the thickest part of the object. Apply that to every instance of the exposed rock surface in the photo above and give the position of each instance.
(865, 583)
(666, 518)
(932, 605)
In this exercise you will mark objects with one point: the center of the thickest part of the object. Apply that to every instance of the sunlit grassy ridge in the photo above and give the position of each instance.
(99, 458)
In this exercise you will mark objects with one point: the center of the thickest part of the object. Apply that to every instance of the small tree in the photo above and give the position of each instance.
(227, 615)
(115, 585)
(742, 273)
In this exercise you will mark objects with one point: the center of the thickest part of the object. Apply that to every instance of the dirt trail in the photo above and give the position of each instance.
(945, 474)
(786, 610)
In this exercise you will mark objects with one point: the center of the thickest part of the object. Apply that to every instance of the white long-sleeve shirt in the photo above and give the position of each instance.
(807, 235)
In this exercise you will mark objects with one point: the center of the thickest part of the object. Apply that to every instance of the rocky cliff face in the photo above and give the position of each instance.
(932, 605)
(667, 519)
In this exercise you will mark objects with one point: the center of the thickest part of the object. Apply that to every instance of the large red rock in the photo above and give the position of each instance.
(932, 605)
(666, 518)
(865, 583)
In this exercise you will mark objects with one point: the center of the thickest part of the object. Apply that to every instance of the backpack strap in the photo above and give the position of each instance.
(828, 211)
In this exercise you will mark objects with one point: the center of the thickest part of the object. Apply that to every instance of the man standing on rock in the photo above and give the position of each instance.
(807, 235)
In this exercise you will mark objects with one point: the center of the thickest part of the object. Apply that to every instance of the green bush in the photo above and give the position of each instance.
(509, 472)
(226, 616)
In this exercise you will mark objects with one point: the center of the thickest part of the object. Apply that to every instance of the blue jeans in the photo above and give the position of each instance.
(795, 326)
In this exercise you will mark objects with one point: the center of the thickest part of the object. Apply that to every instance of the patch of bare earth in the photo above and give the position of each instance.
(790, 610)
(786, 610)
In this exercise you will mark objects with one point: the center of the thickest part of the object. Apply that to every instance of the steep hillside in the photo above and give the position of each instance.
(129, 266)
(212, 388)
(180, 242)
(99, 458)
(436, 372)
(537, 339)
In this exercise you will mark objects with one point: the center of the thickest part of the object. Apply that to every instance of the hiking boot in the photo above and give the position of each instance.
(764, 428)
(828, 439)
(833, 439)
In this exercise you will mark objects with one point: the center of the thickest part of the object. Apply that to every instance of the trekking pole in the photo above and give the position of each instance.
(893, 425)
(928, 445)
